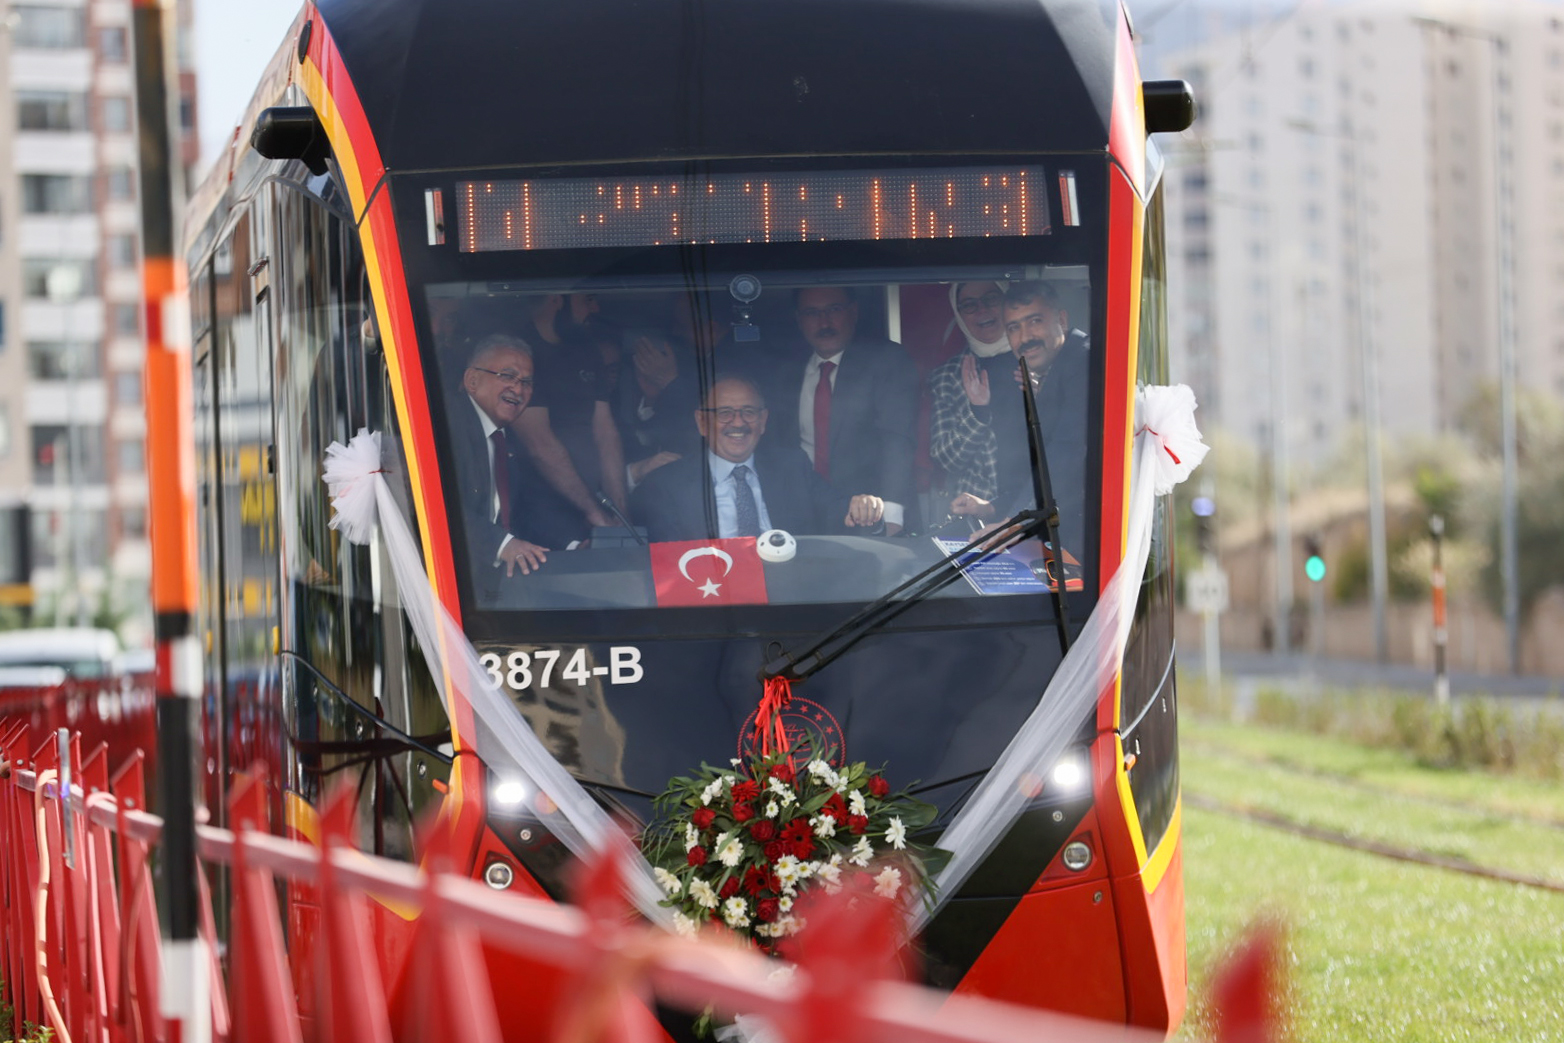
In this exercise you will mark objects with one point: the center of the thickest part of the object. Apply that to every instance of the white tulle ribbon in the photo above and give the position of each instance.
(505, 742)
(1167, 415)
(1167, 448)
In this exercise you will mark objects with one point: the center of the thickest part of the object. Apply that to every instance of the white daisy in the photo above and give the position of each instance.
(825, 826)
(785, 903)
(862, 852)
(782, 791)
(692, 836)
(669, 882)
(888, 883)
(831, 873)
(824, 772)
(897, 834)
(684, 925)
(712, 791)
(772, 811)
(735, 761)
(703, 894)
(735, 911)
(731, 853)
(790, 871)
(855, 804)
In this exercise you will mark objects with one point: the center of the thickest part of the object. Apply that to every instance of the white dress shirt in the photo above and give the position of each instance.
(722, 492)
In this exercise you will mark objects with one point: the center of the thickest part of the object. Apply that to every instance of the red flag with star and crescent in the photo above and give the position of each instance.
(708, 572)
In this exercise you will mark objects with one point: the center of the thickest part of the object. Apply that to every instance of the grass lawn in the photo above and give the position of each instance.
(1379, 949)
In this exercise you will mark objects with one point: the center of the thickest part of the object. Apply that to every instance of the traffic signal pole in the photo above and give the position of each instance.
(184, 991)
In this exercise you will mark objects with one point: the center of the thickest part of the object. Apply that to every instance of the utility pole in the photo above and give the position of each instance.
(1436, 529)
(185, 995)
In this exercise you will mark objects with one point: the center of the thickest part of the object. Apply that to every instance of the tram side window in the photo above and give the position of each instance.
(364, 707)
(1148, 711)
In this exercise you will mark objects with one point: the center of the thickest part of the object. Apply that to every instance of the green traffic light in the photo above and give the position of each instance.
(1314, 568)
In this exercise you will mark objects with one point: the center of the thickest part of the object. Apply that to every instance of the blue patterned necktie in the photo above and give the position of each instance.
(744, 500)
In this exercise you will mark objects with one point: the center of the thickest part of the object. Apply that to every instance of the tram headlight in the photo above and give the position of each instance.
(509, 793)
(1070, 772)
(1076, 856)
(499, 876)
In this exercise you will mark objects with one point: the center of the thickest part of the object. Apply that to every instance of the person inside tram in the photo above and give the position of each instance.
(752, 487)
(493, 478)
(569, 431)
(960, 441)
(1038, 329)
(850, 403)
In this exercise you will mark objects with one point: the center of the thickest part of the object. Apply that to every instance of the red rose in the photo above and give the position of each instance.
(763, 830)
(774, 850)
(836, 807)
(767, 909)
(696, 857)
(879, 787)
(783, 771)
(858, 823)
(749, 789)
(729, 888)
(703, 818)
(743, 812)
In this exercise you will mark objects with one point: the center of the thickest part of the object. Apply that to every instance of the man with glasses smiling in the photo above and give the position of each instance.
(751, 489)
(491, 474)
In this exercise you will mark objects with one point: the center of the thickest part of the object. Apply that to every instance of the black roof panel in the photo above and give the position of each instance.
(475, 83)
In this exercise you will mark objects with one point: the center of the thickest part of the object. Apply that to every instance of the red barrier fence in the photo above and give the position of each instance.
(80, 951)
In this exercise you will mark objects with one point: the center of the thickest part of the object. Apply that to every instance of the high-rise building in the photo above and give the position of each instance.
(1354, 174)
(73, 498)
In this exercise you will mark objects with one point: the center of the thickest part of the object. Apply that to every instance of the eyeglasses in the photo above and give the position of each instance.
(727, 414)
(973, 305)
(831, 311)
(507, 376)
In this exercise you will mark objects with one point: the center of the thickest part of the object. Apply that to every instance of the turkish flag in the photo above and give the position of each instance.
(709, 572)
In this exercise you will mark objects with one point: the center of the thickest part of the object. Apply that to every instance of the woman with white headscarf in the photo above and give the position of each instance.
(962, 442)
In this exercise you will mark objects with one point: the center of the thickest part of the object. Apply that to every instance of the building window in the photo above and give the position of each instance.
(121, 251)
(52, 464)
(56, 194)
(51, 28)
(127, 389)
(122, 183)
(56, 360)
(127, 320)
(51, 110)
(115, 110)
(112, 44)
(133, 522)
(58, 279)
(131, 455)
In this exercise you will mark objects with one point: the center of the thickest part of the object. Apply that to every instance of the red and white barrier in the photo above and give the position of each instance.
(80, 951)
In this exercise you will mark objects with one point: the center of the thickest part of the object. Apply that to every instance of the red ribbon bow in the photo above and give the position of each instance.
(770, 735)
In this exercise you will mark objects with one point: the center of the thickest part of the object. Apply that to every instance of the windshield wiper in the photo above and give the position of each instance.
(1019, 527)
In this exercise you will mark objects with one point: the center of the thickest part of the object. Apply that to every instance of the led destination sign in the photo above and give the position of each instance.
(576, 213)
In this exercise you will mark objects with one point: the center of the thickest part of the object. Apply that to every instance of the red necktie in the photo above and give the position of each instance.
(823, 420)
(501, 476)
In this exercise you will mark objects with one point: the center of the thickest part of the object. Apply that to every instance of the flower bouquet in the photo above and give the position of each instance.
(738, 846)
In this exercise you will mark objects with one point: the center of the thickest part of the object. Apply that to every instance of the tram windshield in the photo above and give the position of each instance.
(735, 428)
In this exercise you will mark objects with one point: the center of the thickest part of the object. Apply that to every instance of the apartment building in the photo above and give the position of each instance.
(72, 431)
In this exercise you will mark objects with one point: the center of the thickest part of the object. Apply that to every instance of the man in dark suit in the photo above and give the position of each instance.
(497, 386)
(1058, 359)
(750, 489)
(852, 404)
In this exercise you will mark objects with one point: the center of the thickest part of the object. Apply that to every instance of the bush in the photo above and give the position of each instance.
(1483, 734)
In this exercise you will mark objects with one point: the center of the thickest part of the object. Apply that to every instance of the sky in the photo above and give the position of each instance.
(234, 41)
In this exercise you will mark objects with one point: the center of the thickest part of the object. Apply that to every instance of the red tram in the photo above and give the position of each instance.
(655, 197)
